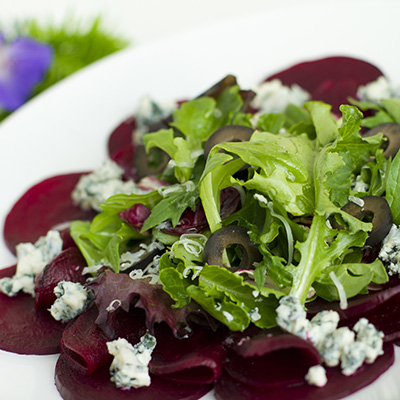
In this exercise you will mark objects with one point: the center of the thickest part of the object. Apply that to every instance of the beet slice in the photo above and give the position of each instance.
(263, 359)
(23, 329)
(331, 79)
(41, 208)
(66, 266)
(74, 386)
(338, 386)
(196, 359)
(121, 136)
(83, 343)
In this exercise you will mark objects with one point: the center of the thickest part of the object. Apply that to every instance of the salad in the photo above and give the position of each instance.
(244, 240)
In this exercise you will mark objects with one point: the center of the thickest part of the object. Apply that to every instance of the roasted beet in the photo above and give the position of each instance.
(121, 137)
(195, 359)
(331, 79)
(262, 359)
(74, 386)
(67, 266)
(41, 208)
(23, 329)
(338, 386)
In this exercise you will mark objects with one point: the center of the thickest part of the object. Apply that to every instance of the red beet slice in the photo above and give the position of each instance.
(121, 136)
(67, 266)
(74, 386)
(41, 208)
(331, 79)
(83, 343)
(23, 329)
(196, 359)
(338, 385)
(263, 359)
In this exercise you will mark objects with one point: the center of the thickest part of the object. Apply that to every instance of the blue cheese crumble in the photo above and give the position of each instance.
(93, 189)
(337, 346)
(32, 258)
(129, 368)
(274, 97)
(316, 376)
(390, 251)
(377, 90)
(72, 300)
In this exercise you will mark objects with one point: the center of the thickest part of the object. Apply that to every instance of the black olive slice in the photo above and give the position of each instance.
(376, 208)
(228, 236)
(142, 161)
(391, 131)
(228, 133)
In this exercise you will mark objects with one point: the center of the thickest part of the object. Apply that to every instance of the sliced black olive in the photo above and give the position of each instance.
(226, 237)
(228, 133)
(217, 89)
(149, 164)
(391, 131)
(377, 210)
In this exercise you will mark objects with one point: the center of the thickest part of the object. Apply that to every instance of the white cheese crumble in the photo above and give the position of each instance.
(129, 369)
(129, 259)
(316, 376)
(96, 187)
(390, 251)
(72, 300)
(359, 185)
(337, 346)
(377, 90)
(32, 258)
(274, 97)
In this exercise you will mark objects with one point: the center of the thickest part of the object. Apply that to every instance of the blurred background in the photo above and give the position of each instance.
(81, 32)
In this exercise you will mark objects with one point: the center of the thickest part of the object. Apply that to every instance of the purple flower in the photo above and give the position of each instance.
(23, 64)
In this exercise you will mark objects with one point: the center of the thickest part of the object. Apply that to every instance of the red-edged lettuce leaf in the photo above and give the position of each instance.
(111, 286)
(74, 386)
(338, 386)
(269, 358)
(23, 329)
(43, 207)
(331, 79)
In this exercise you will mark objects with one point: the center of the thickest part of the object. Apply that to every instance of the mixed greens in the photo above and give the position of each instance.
(294, 176)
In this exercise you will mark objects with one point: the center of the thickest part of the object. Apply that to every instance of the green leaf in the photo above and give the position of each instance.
(393, 188)
(177, 199)
(392, 106)
(175, 285)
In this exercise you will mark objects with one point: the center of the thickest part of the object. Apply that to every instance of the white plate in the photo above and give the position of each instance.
(65, 129)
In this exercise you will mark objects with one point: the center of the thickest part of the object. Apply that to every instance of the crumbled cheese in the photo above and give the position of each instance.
(193, 243)
(390, 251)
(196, 271)
(377, 90)
(254, 314)
(32, 258)
(292, 317)
(129, 369)
(150, 111)
(316, 376)
(359, 185)
(274, 97)
(96, 187)
(72, 300)
(337, 346)
(116, 303)
(228, 316)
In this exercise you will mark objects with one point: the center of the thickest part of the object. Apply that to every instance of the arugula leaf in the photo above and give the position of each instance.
(176, 199)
